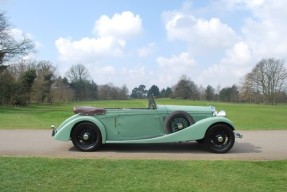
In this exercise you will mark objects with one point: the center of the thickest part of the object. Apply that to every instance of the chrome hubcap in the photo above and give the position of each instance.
(85, 137)
(179, 125)
(220, 139)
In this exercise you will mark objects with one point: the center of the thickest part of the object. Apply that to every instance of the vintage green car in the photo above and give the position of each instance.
(91, 127)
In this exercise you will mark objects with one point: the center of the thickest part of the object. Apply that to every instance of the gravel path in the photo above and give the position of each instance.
(255, 145)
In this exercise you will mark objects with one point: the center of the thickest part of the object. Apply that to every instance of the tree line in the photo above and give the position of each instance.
(269, 88)
(30, 81)
(266, 83)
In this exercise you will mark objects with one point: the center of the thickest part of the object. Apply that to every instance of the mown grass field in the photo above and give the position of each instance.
(40, 174)
(244, 116)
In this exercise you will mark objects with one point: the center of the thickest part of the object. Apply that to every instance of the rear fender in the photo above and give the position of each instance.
(64, 131)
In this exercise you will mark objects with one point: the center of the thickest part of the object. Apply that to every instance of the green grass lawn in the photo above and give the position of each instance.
(48, 174)
(244, 116)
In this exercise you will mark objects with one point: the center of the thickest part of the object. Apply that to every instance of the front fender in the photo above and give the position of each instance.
(200, 128)
(64, 131)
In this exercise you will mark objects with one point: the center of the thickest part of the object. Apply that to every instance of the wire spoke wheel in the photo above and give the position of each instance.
(86, 137)
(177, 121)
(219, 138)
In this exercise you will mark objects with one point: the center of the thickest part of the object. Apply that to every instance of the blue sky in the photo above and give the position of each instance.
(154, 42)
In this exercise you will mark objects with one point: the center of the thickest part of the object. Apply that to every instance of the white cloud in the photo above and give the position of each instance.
(239, 4)
(238, 55)
(132, 77)
(230, 68)
(89, 49)
(111, 38)
(121, 25)
(199, 33)
(176, 61)
(146, 50)
(171, 69)
(262, 34)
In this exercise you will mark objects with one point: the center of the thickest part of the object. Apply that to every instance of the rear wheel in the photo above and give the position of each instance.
(86, 136)
(177, 121)
(219, 138)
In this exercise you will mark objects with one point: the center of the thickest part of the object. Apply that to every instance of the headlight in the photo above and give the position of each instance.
(213, 110)
(221, 114)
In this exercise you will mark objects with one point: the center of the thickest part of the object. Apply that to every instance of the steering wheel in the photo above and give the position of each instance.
(151, 102)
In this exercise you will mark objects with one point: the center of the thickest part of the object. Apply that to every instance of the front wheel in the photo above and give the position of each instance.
(219, 138)
(86, 136)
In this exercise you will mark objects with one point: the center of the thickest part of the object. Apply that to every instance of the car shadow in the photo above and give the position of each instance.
(156, 148)
(185, 147)
(245, 148)
(177, 148)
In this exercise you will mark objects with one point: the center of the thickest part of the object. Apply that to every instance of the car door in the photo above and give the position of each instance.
(139, 124)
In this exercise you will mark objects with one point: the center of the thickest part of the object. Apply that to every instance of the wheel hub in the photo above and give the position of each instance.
(219, 138)
(86, 136)
(179, 125)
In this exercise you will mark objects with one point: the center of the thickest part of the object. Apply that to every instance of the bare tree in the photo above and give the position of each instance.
(77, 73)
(10, 47)
(84, 89)
(267, 79)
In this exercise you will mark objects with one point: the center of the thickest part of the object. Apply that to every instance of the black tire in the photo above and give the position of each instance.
(219, 138)
(86, 136)
(200, 141)
(177, 121)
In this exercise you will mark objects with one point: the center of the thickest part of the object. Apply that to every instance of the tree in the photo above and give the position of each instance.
(139, 92)
(166, 92)
(201, 91)
(43, 83)
(229, 94)
(109, 91)
(7, 87)
(84, 89)
(77, 73)
(16, 83)
(268, 78)
(61, 91)
(186, 89)
(124, 93)
(154, 90)
(10, 48)
(26, 81)
(209, 93)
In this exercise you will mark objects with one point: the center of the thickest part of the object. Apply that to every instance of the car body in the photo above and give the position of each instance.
(91, 127)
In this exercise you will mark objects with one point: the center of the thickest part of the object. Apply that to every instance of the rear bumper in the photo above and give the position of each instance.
(54, 130)
(238, 135)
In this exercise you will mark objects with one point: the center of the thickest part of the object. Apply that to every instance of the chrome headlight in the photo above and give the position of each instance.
(213, 110)
(221, 113)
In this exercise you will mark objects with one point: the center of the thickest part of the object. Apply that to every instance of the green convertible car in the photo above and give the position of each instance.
(91, 127)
